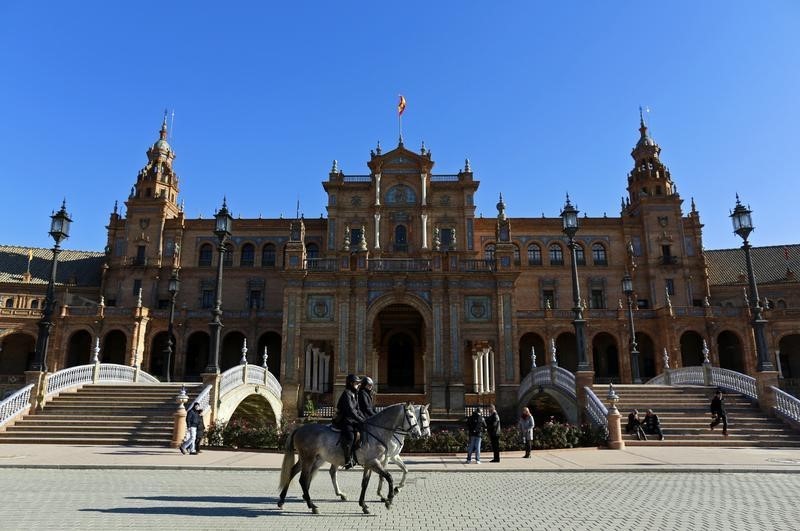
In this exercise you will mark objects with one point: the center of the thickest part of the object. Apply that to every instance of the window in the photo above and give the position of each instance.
(670, 285)
(34, 304)
(137, 286)
(488, 252)
(248, 258)
(556, 255)
(599, 254)
(163, 304)
(548, 298)
(401, 239)
(206, 252)
(355, 238)
(580, 256)
(447, 239)
(312, 251)
(227, 261)
(643, 304)
(141, 259)
(534, 254)
(268, 255)
(516, 255)
(111, 302)
(9, 303)
(207, 298)
(597, 299)
(254, 299)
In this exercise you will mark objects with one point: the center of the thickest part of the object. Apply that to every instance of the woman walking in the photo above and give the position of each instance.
(526, 425)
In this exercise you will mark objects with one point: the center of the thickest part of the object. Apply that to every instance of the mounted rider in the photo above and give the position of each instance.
(349, 418)
(366, 397)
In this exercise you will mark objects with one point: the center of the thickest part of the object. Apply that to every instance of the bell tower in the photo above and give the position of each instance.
(157, 183)
(649, 177)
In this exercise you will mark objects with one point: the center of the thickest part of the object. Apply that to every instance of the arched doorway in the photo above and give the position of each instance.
(196, 359)
(158, 355)
(691, 349)
(566, 352)
(231, 353)
(79, 349)
(647, 356)
(18, 352)
(398, 332)
(272, 341)
(545, 408)
(606, 358)
(790, 356)
(526, 342)
(731, 355)
(114, 347)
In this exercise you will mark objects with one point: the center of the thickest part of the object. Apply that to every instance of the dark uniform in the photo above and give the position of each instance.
(718, 410)
(366, 398)
(493, 427)
(348, 418)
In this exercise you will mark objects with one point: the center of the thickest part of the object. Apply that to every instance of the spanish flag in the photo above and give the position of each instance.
(401, 105)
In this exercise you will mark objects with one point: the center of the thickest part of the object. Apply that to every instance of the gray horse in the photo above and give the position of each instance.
(317, 443)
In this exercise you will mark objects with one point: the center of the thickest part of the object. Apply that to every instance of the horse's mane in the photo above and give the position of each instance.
(370, 420)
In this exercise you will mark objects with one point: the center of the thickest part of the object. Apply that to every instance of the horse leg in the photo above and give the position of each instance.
(342, 495)
(305, 483)
(292, 474)
(380, 481)
(399, 462)
(364, 485)
(382, 472)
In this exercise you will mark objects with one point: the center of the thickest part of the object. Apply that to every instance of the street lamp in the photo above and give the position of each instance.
(569, 216)
(627, 288)
(59, 231)
(222, 229)
(743, 226)
(173, 286)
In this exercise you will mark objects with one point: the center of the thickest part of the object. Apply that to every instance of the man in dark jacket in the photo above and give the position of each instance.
(475, 427)
(193, 420)
(493, 428)
(718, 411)
(635, 425)
(349, 418)
(652, 424)
(366, 397)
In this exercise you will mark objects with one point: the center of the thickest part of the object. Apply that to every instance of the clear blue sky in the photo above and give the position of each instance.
(542, 99)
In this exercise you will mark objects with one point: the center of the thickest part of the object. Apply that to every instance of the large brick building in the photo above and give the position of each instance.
(402, 281)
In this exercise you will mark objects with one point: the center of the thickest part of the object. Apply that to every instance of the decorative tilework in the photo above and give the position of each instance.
(477, 309)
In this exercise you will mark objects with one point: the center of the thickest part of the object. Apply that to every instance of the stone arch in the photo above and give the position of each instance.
(528, 340)
(271, 340)
(231, 401)
(548, 402)
(79, 348)
(114, 344)
(158, 355)
(231, 351)
(647, 356)
(691, 349)
(566, 351)
(196, 359)
(605, 355)
(19, 349)
(731, 354)
(789, 346)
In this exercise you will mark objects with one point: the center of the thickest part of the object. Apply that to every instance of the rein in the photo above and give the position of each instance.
(402, 430)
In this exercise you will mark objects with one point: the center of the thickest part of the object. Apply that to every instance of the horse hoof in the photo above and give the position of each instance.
(280, 505)
(365, 509)
(343, 497)
(396, 490)
(388, 504)
(383, 500)
(315, 510)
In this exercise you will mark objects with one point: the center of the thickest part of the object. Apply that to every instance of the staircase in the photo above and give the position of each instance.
(110, 414)
(685, 418)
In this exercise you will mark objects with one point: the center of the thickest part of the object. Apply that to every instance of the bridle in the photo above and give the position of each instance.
(410, 420)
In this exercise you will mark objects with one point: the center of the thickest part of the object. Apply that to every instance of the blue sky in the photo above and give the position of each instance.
(542, 97)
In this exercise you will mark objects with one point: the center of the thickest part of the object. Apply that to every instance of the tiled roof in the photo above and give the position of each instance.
(78, 268)
(769, 264)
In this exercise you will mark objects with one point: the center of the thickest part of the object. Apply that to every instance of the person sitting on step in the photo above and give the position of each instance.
(652, 424)
(635, 426)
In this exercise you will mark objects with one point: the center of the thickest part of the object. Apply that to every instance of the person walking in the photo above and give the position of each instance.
(493, 428)
(652, 424)
(526, 425)
(201, 431)
(475, 427)
(349, 419)
(718, 411)
(366, 397)
(193, 420)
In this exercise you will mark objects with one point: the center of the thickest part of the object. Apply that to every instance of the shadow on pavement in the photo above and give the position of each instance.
(210, 499)
(192, 510)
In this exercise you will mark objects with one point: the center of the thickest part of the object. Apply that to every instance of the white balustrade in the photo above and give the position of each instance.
(734, 381)
(233, 378)
(204, 397)
(230, 379)
(687, 376)
(67, 378)
(786, 405)
(17, 404)
(544, 376)
(597, 412)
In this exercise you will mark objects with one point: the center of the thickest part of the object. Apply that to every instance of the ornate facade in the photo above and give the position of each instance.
(402, 281)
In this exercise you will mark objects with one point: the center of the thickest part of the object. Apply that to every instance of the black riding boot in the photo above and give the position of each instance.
(349, 462)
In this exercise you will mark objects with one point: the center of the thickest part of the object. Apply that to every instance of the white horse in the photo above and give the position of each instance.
(393, 449)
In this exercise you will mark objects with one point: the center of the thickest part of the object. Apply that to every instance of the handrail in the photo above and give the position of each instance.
(548, 376)
(786, 405)
(17, 404)
(70, 377)
(204, 398)
(597, 412)
(248, 374)
(85, 374)
(717, 377)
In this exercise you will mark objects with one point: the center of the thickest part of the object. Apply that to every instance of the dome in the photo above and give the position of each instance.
(162, 145)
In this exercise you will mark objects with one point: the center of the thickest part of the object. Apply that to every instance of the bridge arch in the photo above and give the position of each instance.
(244, 395)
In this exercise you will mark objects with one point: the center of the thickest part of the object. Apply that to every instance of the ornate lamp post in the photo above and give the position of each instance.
(173, 286)
(59, 231)
(627, 289)
(569, 216)
(743, 226)
(222, 229)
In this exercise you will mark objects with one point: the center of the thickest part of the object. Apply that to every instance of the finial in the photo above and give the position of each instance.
(422, 149)
(362, 242)
(553, 358)
(705, 352)
(694, 208)
(737, 199)
(666, 358)
(533, 358)
(378, 149)
(116, 206)
(163, 134)
(641, 117)
(139, 298)
(346, 243)
(243, 361)
(96, 350)
(224, 201)
(467, 166)
(335, 167)
(568, 201)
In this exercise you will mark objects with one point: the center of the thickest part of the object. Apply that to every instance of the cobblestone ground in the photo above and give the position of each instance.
(182, 499)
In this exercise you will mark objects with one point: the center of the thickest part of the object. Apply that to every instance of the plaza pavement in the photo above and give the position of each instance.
(632, 459)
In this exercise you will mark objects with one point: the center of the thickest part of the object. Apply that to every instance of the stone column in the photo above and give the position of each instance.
(423, 188)
(615, 441)
(475, 366)
(424, 218)
(377, 231)
(766, 396)
(179, 425)
(377, 189)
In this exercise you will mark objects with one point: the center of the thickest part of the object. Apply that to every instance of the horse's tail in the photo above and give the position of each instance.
(288, 462)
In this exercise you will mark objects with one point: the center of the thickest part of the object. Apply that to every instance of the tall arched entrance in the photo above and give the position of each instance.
(790, 356)
(730, 351)
(526, 343)
(18, 351)
(79, 349)
(196, 360)
(691, 349)
(606, 358)
(114, 347)
(399, 338)
(158, 355)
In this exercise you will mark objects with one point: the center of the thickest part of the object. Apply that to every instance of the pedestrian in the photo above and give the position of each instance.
(201, 432)
(718, 412)
(193, 420)
(349, 419)
(525, 426)
(652, 424)
(493, 428)
(635, 425)
(475, 427)
(366, 397)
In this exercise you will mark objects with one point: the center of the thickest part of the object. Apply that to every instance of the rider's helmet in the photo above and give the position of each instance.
(352, 379)
(366, 380)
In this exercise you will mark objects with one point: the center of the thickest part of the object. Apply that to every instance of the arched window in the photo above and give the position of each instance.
(312, 251)
(9, 303)
(516, 254)
(228, 260)
(268, 255)
(206, 252)
(556, 254)
(580, 256)
(248, 258)
(488, 251)
(534, 254)
(599, 254)
(34, 304)
(401, 239)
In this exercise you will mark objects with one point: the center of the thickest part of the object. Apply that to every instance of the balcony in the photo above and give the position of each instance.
(399, 264)
(669, 260)
(476, 265)
(136, 261)
(322, 264)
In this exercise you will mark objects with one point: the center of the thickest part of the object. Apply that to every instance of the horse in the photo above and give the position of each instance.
(316, 444)
(392, 454)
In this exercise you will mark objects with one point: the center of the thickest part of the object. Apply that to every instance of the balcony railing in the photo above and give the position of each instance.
(476, 265)
(357, 178)
(444, 178)
(399, 264)
(669, 260)
(322, 264)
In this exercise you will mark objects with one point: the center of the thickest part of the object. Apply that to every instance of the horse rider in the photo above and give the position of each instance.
(366, 397)
(349, 418)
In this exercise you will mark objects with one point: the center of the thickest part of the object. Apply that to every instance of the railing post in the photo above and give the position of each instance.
(179, 425)
(708, 378)
(96, 372)
(212, 379)
(39, 381)
(667, 376)
(615, 441)
(765, 381)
